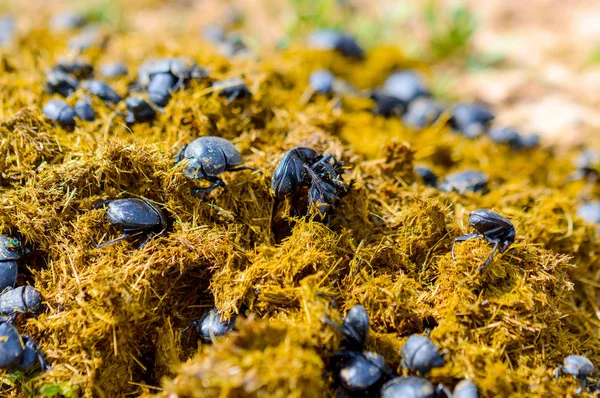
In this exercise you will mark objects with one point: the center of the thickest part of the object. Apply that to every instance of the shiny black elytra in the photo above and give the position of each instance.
(578, 366)
(420, 354)
(492, 227)
(135, 217)
(355, 328)
(21, 300)
(290, 175)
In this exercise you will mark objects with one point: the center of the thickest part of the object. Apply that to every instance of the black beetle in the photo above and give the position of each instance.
(290, 173)
(209, 157)
(361, 372)
(60, 82)
(412, 387)
(326, 186)
(466, 389)
(102, 91)
(78, 67)
(387, 105)
(138, 111)
(11, 251)
(419, 354)
(578, 366)
(18, 352)
(160, 87)
(465, 181)
(61, 112)
(134, 217)
(529, 141)
(212, 324)
(471, 120)
(183, 69)
(326, 39)
(321, 81)
(492, 227)
(405, 85)
(84, 111)
(422, 112)
(20, 300)
(355, 328)
(505, 135)
(234, 88)
(113, 69)
(427, 175)
(590, 212)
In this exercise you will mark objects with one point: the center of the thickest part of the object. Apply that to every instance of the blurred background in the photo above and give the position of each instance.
(536, 62)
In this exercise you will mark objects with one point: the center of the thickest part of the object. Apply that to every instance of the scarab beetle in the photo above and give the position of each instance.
(413, 387)
(234, 88)
(471, 120)
(321, 81)
(212, 324)
(20, 300)
(138, 111)
(590, 212)
(492, 227)
(387, 105)
(361, 371)
(326, 186)
(326, 39)
(207, 158)
(60, 82)
(578, 366)
(102, 91)
(355, 328)
(61, 112)
(422, 112)
(11, 251)
(84, 111)
(134, 217)
(113, 69)
(465, 181)
(78, 67)
(419, 354)
(160, 87)
(466, 389)
(290, 173)
(405, 85)
(427, 175)
(505, 135)
(18, 352)
(181, 68)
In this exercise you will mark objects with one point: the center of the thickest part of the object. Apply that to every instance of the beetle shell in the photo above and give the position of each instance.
(505, 135)
(159, 88)
(348, 47)
(84, 111)
(422, 112)
(321, 81)
(362, 371)
(387, 105)
(61, 112)
(427, 175)
(102, 91)
(113, 70)
(212, 323)
(420, 354)
(210, 156)
(578, 365)
(465, 181)
(471, 119)
(60, 82)
(30, 354)
(405, 85)
(134, 213)
(11, 350)
(138, 111)
(493, 227)
(356, 327)
(20, 300)
(466, 389)
(78, 67)
(290, 173)
(232, 88)
(408, 387)
(590, 212)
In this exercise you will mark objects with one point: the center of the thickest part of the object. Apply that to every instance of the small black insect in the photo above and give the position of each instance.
(11, 251)
(326, 186)
(589, 211)
(465, 181)
(138, 111)
(529, 141)
(60, 82)
(84, 111)
(327, 39)
(361, 372)
(113, 69)
(102, 91)
(61, 112)
(492, 227)
(427, 175)
(471, 120)
(181, 69)
(207, 158)
(355, 328)
(20, 300)
(290, 173)
(413, 387)
(212, 324)
(234, 88)
(578, 366)
(348, 47)
(466, 389)
(134, 217)
(321, 81)
(160, 87)
(18, 352)
(387, 105)
(419, 354)
(78, 67)
(405, 85)
(505, 135)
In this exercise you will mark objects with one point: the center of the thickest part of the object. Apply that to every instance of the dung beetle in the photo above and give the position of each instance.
(471, 120)
(138, 111)
(18, 352)
(211, 325)
(290, 173)
(102, 91)
(321, 81)
(78, 67)
(465, 181)
(590, 212)
(405, 85)
(160, 87)
(422, 112)
(355, 328)
(84, 111)
(413, 387)
(113, 69)
(529, 141)
(11, 251)
(466, 389)
(61, 112)
(387, 105)
(60, 82)
(326, 186)
(134, 217)
(234, 88)
(361, 371)
(207, 158)
(427, 175)
(326, 39)
(505, 135)
(578, 366)
(181, 68)
(20, 300)
(419, 354)
(492, 227)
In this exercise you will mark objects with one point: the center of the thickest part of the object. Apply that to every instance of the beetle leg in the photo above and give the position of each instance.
(489, 259)
(442, 388)
(462, 239)
(232, 96)
(240, 168)
(179, 156)
(584, 384)
(329, 296)
(101, 203)
(202, 192)
(178, 85)
(557, 371)
(124, 236)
